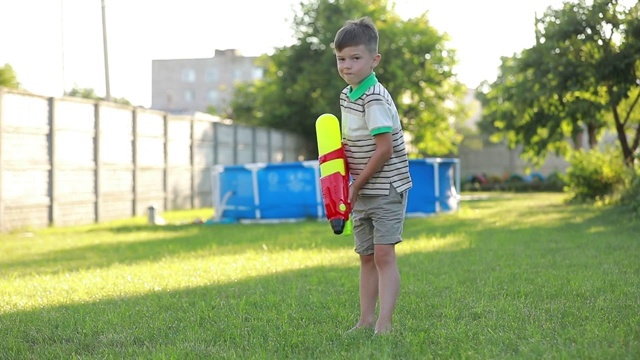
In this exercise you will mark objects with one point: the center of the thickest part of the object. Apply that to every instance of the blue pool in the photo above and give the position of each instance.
(290, 191)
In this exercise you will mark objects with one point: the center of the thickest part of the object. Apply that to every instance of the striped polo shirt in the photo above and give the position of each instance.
(367, 111)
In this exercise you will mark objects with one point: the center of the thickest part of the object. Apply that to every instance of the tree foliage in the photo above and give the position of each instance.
(301, 81)
(89, 93)
(8, 77)
(581, 76)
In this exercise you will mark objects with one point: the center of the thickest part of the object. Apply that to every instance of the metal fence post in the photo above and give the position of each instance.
(52, 162)
(136, 169)
(2, 218)
(98, 163)
(254, 145)
(165, 172)
(235, 144)
(216, 140)
(269, 145)
(192, 161)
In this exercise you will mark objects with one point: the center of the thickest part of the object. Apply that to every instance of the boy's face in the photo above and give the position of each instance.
(356, 63)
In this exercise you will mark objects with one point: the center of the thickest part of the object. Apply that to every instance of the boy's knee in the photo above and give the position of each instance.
(367, 259)
(384, 254)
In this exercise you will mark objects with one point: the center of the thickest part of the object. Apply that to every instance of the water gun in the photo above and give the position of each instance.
(334, 174)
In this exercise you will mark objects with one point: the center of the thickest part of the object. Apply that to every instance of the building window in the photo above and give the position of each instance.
(237, 75)
(188, 75)
(211, 75)
(257, 74)
(189, 96)
(212, 96)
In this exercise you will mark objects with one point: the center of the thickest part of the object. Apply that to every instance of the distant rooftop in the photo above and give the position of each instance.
(228, 52)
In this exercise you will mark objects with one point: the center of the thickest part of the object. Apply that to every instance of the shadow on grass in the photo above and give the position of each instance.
(175, 241)
(575, 218)
(466, 303)
(228, 239)
(276, 316)
(559, 289)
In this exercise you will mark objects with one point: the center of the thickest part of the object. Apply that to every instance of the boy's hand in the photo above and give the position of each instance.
(353, 193)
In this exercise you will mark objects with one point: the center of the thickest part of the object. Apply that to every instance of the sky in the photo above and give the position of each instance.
(56, 45)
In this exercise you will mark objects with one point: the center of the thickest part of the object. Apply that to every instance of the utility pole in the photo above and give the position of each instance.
(64, 85)
(106, 53)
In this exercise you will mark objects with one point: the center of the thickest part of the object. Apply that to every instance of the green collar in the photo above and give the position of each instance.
(368, 82)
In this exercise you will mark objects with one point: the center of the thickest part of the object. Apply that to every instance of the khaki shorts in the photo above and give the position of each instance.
(378, 220)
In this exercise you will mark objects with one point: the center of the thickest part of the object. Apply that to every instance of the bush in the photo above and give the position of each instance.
(593, 175)
(514, 183)
(514, 178)
(556, 180)
(629, 194)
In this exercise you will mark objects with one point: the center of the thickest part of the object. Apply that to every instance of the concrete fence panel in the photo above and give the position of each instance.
(25, 159)
(262, 141)
(73, 179)
(70, 161)
(150, 161)
(179, 162)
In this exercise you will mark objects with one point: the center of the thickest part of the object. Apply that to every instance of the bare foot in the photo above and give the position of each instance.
(383, 330)
(359, 327)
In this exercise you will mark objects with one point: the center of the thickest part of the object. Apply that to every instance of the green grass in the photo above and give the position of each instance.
(513, 276)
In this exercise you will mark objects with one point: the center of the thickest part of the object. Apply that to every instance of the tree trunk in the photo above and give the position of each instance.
(636, 137)
(591, 130)
(627, 154)
(577, 140)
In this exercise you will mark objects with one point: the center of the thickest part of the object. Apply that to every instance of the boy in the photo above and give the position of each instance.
(375, 150)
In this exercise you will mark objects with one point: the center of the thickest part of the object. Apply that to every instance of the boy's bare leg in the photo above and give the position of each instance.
(389, 285)
(368, 291)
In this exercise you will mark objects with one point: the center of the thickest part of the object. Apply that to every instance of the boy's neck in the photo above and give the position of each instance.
(364, 85)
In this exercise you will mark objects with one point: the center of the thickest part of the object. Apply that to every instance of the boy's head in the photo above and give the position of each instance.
(356, 47)
(357, 32)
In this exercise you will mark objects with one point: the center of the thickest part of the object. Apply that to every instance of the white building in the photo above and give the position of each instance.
(190, 85)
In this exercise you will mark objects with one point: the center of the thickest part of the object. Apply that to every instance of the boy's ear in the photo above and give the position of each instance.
(376, 60)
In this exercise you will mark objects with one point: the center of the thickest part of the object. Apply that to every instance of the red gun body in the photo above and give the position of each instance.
(334, 173)
(335, 192)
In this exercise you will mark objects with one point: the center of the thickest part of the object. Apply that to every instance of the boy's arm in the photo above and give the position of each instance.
(382, 154)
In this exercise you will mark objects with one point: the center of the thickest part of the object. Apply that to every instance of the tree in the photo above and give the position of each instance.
(301, 81)
(8, 77)
(85, 93)
(522, 107)
(583, 73)
(89, 93)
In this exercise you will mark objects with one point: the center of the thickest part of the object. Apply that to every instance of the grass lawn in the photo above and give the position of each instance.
(512, 276)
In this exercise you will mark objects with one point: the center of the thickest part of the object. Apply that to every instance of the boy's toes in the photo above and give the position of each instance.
(358, 328)
(385, 330)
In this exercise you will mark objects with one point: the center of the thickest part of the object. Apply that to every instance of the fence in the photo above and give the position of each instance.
(69, 161)
(479, 156)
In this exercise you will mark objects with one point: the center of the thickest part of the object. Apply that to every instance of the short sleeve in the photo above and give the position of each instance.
(378, 114)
